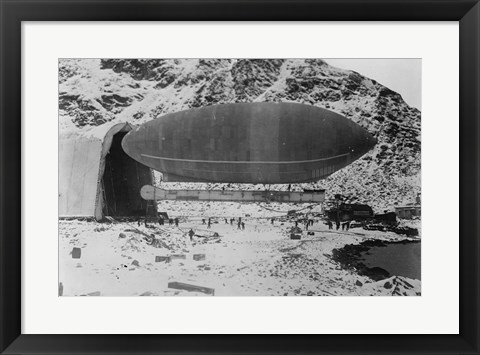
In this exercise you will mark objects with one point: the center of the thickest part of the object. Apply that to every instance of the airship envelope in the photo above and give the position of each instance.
(269, 143)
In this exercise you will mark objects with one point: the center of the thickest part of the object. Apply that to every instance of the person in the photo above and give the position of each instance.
(338, 225)
(243, 225)
(330, 224)
(231, 221)
(176, 221)
(139, 220)
(289, 187)
(348, 225)
(191, 233)
(209, 224)
(226, 222)
(343, 226)
(239, 224)
(203, 220)
(273, 219)
(170, 221)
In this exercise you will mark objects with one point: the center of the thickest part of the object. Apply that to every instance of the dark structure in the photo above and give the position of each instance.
(408, 212)
(386, 218)
(350, 212)
(121, 180)
(266, 143)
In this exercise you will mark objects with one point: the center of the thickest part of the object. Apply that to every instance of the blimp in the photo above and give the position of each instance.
(256, 143)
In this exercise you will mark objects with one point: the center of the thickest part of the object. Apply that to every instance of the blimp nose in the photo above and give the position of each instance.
(363, 142)
(371, 141)
(129, 145)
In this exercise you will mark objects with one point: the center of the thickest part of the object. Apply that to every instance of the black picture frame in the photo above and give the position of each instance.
(13, 12)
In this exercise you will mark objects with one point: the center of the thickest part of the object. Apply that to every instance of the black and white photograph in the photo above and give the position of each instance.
(239, 177)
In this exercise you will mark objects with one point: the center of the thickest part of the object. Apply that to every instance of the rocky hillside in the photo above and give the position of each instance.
(93, 92)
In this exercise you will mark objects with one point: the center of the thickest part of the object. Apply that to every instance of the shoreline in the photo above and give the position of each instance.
(351, 258)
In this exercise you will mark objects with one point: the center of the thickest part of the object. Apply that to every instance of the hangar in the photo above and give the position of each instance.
(96, 177)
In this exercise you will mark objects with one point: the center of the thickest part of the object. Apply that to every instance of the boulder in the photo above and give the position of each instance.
(76, 253)
(388, 285)
(148, 293)
(96, 293)
(159, 259)
(190, 288)
(198, 257)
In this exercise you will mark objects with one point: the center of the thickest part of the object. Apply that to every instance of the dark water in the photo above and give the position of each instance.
(397, 259)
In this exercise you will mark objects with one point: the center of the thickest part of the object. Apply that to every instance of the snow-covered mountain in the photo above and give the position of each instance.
(93, 92)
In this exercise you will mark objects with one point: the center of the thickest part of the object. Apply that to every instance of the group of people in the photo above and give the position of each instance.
(209, 222)
(307, 223)
(345, 225)
(160, 220)
(171, 221)
(240, 223)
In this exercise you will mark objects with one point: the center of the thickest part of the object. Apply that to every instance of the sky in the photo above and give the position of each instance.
(400, 75)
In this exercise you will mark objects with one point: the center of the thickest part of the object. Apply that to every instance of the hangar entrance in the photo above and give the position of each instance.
(122, 180)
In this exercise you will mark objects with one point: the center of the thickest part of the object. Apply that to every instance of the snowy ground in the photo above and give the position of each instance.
(259, 261)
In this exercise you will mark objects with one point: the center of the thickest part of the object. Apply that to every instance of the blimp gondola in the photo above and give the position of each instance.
(268, 143)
